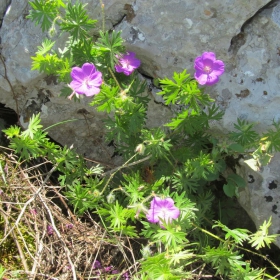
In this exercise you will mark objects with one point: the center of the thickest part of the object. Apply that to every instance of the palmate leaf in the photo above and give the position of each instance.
(192, 122)
(77, 22)
(12, 131)
(44, 12)
(27, 147)
(191, 95)
(170, 237)
(271, 139)
(239, 235)
(245, 135)
(33, 127)
(261, 238)
(171, 89)
(105, 100)
(157, 267)
(49, 64)
(46, 47)
(185, 91)
(111, 44)
(222, 259)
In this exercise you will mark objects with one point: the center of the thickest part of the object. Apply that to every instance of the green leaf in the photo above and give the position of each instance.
(46, 47)
(44, 12)
(229, 189)
(261, 156)
(111, 44)
(105, 100)
(237, 180)
(12, 131)
(261, 238)
(33, 127)
(245, 135)
(77, 22)
(272, 139)
(239, 235)
(236, 148)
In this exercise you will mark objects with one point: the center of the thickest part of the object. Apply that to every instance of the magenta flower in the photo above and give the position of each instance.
(208, 69)
(96, 265)
(162, 209)
(86, 80)
(49, 230)
(127, 63)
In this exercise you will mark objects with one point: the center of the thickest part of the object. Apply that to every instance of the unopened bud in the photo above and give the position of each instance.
(146, 252)
(96, 193)
(110, 198)
(140, 149)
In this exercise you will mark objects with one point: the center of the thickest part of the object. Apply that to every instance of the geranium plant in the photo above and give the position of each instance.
(165, 195)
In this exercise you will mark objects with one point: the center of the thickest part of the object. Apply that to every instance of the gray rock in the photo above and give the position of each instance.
(261, 198)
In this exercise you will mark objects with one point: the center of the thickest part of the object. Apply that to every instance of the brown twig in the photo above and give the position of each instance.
(5, 76)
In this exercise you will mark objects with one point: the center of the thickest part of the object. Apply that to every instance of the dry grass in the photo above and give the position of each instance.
(31, 207)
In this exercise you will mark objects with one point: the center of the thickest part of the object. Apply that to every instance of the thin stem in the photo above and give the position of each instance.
(114, 77)
(115, 170)
(103, 15)
(126, 165)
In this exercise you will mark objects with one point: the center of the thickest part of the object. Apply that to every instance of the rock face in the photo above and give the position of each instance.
(167, 36)
(261, 199)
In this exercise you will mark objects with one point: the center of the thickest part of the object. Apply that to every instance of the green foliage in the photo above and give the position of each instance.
(181, 159)
(77, 22)
(44, 12)
(2, 271)
(239, 235)
(261, 238)
(234, 182)
(118, 216)
(245, 135)
(223, 259)
(157, 267)
(111, 43)
(272, 139)
(184, 90)
(192, 122)
(83, 198)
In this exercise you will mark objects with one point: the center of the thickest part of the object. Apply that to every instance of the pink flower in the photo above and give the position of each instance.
(49, 230)
(86, 80)
(96, 265)
(208, 69)
(127, 63)
(162, 209)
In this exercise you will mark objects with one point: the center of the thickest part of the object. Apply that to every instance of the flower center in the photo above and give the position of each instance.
(207, 69)
(163, 213)
(87, 82)
(125, 63)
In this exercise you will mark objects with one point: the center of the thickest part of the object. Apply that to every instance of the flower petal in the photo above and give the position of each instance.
(77, 74)
(201, 77)
(92, 91)
(88, 69)
(198, 63)
(218, 67)
(212, 79)
(209, 56)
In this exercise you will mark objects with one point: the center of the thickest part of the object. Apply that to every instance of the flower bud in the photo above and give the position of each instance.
(146, 252)
(140, 149)
(111, 198)
(96, 193)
